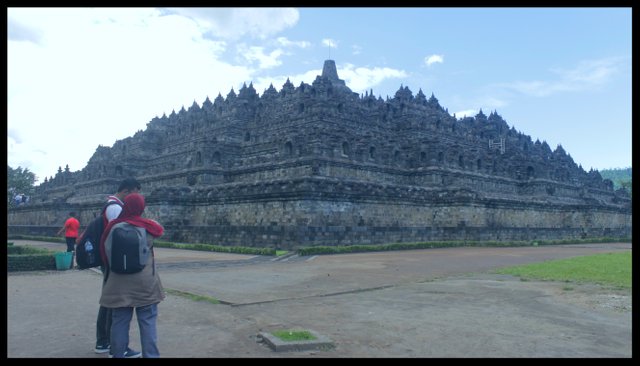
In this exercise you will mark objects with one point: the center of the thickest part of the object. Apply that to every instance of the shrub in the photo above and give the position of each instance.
(215, 248)
(23, 249)
(26, 258)
(31, 262)
(53, 239)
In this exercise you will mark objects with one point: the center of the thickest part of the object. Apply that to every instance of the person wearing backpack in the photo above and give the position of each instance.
(126, 288)
(110, 212)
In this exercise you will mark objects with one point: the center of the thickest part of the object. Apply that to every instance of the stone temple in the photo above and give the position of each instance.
(319, 164)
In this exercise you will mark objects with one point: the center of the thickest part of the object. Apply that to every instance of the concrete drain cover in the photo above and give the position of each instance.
(279, 345)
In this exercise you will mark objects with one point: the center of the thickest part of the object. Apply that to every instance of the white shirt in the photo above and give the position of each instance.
(113, 211)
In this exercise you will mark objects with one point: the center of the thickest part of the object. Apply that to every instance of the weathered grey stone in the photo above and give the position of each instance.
(320, 165)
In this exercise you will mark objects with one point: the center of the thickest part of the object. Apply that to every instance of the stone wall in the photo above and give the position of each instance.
(323, 211)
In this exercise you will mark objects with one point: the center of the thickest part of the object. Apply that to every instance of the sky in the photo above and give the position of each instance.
(83, 77)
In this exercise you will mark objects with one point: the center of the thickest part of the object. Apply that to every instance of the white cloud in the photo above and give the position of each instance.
(590, 72)
(233, 23)
(361, 79)
(284, 42)
(486, 103)
(99, 75)
(429, 60)
(466, 113)
(14, 135)
(356, 50)
(331, 43)
(19, 32)
(586, 75)
(267, 60)
(257, 54)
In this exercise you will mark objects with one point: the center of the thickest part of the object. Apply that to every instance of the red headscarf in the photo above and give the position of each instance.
(133, 208)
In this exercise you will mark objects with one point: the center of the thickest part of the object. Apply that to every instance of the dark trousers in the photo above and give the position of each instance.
(103, 324)
(71, 242)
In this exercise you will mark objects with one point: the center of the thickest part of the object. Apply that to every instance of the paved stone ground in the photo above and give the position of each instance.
(422, 303)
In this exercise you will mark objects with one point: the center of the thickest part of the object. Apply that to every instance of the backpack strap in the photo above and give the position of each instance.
(105, 222)
(153, 259)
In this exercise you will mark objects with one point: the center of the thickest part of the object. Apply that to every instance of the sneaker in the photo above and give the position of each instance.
(129, 353)
(101, 348)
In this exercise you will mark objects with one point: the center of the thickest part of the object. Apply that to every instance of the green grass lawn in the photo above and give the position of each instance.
(611, 269)
(294, 335)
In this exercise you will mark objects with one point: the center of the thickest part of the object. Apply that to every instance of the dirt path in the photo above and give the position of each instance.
(427, 303)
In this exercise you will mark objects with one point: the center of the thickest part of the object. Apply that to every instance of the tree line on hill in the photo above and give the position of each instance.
(621, 177)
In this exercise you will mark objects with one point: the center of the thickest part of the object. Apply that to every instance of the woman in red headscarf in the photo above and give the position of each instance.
(141, 291)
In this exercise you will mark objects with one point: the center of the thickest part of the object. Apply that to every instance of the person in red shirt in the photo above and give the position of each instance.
(71, 227)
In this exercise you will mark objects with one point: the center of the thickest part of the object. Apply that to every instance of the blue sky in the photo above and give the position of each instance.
(83, 77)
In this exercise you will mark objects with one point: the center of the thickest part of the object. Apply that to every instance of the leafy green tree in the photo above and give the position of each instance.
(626, 184)
(19, 181)
(621, 177)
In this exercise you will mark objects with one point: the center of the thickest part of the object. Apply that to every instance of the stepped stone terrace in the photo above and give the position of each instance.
(319, 164)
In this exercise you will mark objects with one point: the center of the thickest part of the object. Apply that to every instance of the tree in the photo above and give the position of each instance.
(19, 181)
(626, 184)
(621, 177)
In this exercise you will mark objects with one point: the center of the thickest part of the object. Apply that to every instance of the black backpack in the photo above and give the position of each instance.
(86, 258)
(127, 248)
